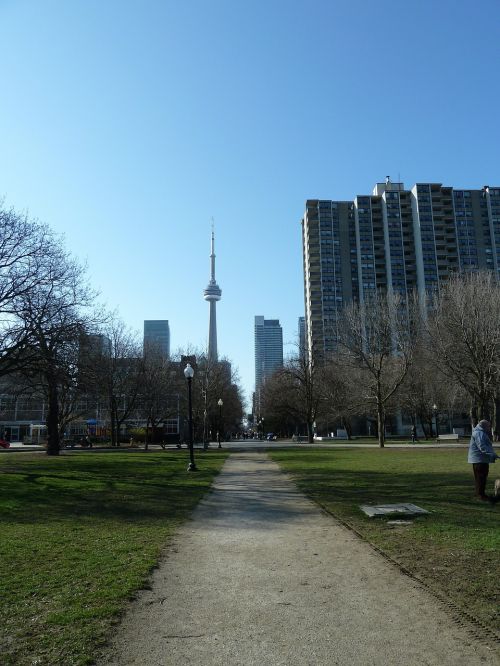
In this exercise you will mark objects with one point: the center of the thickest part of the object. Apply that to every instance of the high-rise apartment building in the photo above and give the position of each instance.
(157, 334)
(396, 239)
(268, 349)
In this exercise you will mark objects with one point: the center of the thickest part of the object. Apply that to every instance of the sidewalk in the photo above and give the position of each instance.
(261, 576)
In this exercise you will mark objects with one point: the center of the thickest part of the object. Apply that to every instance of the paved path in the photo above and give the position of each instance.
(261, 576)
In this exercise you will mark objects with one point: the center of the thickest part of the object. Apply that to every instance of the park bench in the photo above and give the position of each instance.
(448, 437)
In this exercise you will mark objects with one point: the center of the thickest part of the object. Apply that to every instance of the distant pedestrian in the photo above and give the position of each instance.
(414, 434)
(481, 454)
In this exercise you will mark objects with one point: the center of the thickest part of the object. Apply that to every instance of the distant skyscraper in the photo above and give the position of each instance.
(98, 344)
(212, 294)
(395, 239)
(157, 333)
(268, 349)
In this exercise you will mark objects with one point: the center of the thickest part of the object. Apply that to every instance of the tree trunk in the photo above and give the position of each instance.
(485, 407)
(380, 424)
(118, 428)
(481, 413)
(474, 416)
(52, 417)
(310, 434)
(113, 419)
(496, 417)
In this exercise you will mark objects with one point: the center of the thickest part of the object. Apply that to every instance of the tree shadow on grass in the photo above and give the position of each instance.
(128, 490)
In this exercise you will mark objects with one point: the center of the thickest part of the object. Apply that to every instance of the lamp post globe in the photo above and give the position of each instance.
(189, 374)
(220, 403)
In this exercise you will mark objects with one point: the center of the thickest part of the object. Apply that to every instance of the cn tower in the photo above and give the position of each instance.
(212, 294)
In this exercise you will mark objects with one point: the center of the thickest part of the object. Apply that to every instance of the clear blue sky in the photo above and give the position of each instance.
(127, 125)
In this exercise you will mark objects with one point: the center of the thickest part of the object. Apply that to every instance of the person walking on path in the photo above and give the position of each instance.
(481, 454)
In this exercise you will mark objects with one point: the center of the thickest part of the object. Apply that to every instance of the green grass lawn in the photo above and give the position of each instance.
(455, 549)
(79, 535)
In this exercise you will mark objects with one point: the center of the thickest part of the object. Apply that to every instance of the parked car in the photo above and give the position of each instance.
(4, 444)
(271, 437)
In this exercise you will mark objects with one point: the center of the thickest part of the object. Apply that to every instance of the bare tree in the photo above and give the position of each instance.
(229, 417)
(214, 381)
(296, 392)
(71, 393)
(375, 341)
(25, 250)
(342, 400)
(220, 382)
(53, 317)
(465, 337)
(118, 373)
(280, 405)
(425, 386)
(159, 389)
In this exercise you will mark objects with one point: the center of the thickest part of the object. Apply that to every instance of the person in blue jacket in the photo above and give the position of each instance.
(481, 454)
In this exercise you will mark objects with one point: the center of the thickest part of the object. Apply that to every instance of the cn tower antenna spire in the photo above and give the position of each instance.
(212, 294)
(212, 256)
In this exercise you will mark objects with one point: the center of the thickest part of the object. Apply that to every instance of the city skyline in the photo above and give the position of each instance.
(172, 116)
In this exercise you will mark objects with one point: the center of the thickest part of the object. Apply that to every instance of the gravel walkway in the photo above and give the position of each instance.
(261, 576)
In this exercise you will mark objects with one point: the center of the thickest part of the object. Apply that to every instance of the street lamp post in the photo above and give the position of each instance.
(435, 410)
(220, 403)
(189, 374)
(262, 427)
(205, 438)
